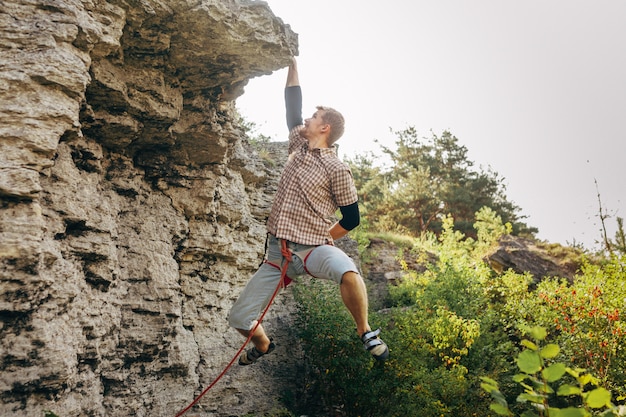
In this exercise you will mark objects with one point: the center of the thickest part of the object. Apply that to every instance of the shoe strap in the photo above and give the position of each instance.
(254, 354)
(370, 339)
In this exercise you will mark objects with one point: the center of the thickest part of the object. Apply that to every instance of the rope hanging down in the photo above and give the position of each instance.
(283, 274)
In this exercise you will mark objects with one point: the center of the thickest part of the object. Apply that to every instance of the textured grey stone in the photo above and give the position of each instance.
(132, 209)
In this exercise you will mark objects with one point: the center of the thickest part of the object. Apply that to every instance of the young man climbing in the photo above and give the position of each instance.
(313, 185)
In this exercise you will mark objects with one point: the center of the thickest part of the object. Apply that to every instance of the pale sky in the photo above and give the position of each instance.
(536, 90)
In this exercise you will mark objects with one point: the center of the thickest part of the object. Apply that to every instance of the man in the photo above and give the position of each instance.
(313, 185)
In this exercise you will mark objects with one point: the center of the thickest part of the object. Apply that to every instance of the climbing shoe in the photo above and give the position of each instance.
(253, 354)
(375, 345)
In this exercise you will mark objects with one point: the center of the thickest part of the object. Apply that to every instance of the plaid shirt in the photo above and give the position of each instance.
(314, 184)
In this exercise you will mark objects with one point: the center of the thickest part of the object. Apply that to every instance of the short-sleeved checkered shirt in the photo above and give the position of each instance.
(314, 184)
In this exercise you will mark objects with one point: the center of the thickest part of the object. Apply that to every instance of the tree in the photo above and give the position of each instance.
(428, 179)
(371, 183)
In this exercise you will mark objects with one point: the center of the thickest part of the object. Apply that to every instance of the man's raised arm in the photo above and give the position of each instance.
(292, 74)
(293, 96)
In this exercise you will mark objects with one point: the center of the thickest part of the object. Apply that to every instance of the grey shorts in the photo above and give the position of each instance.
(326, 262)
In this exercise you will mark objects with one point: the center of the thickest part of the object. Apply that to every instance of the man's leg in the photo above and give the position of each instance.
(329, 262)
(354, 295)
(244, 313)
(259, 339)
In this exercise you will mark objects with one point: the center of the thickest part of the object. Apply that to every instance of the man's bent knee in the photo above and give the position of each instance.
(350, 277)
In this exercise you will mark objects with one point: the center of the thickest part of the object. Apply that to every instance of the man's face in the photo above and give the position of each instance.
(314, 125)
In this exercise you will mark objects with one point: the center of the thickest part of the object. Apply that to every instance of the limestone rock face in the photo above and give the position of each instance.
(132, 209)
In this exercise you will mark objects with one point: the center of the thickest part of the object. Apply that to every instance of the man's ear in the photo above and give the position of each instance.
(326, 128)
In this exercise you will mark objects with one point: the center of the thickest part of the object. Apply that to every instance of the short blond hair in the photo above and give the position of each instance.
(336, 122)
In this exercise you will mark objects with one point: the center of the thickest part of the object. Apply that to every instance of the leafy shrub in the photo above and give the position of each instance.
(578, 394)
(341, 374)
(459, 321)
(422, 377)
(431, 333)
(584, 317)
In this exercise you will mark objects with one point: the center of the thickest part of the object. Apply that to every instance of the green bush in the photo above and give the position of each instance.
(551, 388)
(423, 374)
(458, 322)
(584, 317)
(340, 373)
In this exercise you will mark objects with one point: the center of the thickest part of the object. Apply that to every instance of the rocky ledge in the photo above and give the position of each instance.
(132, 210)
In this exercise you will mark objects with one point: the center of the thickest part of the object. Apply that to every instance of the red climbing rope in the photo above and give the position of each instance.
(283, 274)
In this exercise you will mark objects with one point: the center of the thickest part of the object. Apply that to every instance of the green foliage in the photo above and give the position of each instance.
(432, 331)
(453, 336)
(416, 379)
(489, 228)
(585, 317)
(458, 322)
(551, 388)
(339, 371)
(428, 179)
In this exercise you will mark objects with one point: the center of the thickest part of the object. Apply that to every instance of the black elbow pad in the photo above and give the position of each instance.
(350, 216)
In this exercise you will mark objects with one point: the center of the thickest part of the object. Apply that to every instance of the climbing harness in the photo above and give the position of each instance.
(302, 254)
(282, 283)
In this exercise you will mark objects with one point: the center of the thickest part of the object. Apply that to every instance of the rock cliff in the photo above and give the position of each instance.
(132, 210)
